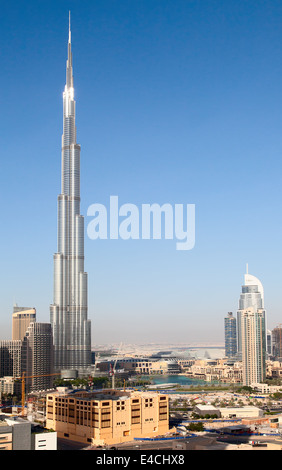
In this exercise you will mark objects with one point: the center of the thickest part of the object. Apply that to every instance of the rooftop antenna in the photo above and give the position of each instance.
(247, 268)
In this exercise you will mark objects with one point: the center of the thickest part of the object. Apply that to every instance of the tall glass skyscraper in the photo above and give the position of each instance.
(253, 345)
(230, 335)
(252, 296)
(68, 313)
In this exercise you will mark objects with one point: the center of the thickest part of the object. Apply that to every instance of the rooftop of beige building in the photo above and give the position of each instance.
(102, 394)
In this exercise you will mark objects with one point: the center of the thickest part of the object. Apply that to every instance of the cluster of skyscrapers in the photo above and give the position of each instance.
(247, 338)
(29, 352)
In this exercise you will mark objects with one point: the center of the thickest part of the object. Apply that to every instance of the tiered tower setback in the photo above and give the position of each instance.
(68, 313)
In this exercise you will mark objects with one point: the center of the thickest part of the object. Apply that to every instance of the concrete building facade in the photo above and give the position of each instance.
(38, 356)
(21, 319)
(253, 345)
(10, 358)
(19, 434)
(108, 417)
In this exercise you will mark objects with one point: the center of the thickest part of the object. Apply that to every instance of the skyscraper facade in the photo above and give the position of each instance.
(32, 355)
(21, 319)
(37, 356)
(252, 296)
(11, 358)
(230, 335)
(253, 345)
(277, 342)
(68, 313)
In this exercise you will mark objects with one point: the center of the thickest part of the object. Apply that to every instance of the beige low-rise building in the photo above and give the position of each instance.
(107, 417)
(216, 369)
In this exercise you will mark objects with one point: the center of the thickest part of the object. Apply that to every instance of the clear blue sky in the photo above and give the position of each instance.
(177, 101)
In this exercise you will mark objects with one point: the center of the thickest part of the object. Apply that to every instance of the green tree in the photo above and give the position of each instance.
(195, 427)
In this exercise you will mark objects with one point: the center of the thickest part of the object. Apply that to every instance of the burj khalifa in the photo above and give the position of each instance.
(68, 313)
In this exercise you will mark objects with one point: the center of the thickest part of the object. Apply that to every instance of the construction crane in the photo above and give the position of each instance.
(23, 378)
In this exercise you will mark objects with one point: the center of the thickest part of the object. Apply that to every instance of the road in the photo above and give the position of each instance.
(245, 439)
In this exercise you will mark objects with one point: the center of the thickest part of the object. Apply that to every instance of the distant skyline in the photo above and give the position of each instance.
(177, 102)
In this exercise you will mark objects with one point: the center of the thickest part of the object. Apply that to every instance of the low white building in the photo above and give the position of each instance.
(265, 388)
(242, 412)
(44, 441)
(229, 412)
(203, 410)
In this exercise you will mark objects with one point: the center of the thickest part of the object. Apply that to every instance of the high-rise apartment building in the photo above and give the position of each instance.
(230, 335)
(269, 345)
(68, 313)
(10, 358)
(21, 319)
(253, 345)
(31, 354)
(252, 296)
(38, 357)
(277, 342)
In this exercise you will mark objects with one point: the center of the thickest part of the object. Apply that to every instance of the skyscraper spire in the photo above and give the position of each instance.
(68, 313)
(69, 74)
(69, 27)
